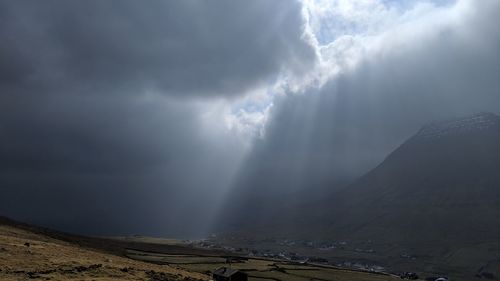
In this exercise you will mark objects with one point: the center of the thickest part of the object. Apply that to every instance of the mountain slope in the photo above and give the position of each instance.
(432, 206)
(443, 183)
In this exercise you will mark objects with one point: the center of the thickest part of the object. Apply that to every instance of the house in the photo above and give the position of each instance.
(409, 275)
(228, 274)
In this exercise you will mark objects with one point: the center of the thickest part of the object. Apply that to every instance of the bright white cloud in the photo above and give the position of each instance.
(344, 33)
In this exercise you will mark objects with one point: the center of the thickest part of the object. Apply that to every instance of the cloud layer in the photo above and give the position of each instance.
(124, 116)
(176, 48)
(439, 65)
(113, 113)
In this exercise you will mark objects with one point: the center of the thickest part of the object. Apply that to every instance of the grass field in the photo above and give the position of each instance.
(25, 255)
(459, 261)
(29, 252)
(259, 269)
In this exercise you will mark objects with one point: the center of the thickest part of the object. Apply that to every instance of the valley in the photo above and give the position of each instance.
(432, 206)
(30, 252)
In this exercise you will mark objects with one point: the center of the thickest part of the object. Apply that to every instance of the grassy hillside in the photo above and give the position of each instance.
(30, 252)
(262, 269)
(27, 255)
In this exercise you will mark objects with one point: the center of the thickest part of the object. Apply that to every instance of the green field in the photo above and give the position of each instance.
(260, 269)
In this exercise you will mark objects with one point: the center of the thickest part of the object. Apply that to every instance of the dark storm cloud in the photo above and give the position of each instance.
(101, 126)
(336, 133)
(82, 134)
(96, 134)
(106, 165)
(178, 48)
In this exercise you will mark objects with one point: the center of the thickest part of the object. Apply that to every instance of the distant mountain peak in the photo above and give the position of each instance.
(458, 126)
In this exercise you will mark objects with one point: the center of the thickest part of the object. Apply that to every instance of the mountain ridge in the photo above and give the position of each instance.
(435, 198)
(476, 122)
(445, 171)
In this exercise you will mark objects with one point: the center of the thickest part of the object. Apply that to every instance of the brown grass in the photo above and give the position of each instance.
(51, 259)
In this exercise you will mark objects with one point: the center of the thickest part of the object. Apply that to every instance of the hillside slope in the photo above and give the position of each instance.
(433, 205)
(441, 184)
(25, 254)
(29, 252)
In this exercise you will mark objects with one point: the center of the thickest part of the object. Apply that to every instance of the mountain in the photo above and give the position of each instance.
(432, 205)
(441, 180)
(435, 199)
(442, 183)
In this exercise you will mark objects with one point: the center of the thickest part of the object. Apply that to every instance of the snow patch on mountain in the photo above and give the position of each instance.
(477, 122)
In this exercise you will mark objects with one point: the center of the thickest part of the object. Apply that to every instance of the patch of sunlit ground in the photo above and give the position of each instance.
(25, 255)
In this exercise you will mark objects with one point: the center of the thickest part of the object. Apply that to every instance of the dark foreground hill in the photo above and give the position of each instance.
(33, 253)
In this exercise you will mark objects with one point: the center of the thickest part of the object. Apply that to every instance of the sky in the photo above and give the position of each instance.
(132, 117)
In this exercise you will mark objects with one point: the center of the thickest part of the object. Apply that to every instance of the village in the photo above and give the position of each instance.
(285, 250)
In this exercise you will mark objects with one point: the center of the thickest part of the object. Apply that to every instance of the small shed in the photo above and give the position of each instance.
(228, 274)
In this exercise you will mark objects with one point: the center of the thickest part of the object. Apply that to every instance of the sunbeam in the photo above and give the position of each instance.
(250, 140)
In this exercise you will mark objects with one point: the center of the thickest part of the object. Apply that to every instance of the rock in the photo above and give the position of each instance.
(159, 276)
(126, 269)
(32, 275)
(83, 268)
(94, 266)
